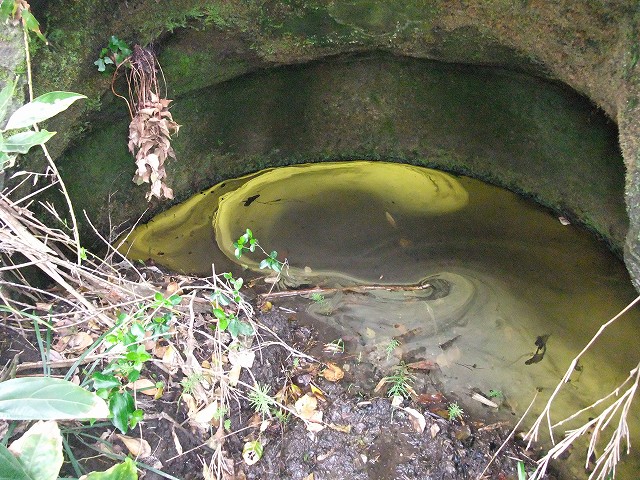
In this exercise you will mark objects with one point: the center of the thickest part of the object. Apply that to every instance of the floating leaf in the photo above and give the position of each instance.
(39, 451)
(23, 141)
(48, 398)
(41, 108)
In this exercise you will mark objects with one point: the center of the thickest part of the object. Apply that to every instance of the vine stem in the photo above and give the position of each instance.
(52, 165)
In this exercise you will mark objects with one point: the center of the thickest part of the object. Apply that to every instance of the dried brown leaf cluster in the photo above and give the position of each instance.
(150, 133)
(151, 124)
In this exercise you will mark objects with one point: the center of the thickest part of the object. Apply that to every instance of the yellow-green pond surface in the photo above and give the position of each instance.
(504, 272)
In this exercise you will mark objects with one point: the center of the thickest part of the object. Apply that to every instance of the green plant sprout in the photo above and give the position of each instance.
(189, 383)
(260, 400)
(114, 54)
(391, 346)
(495, 393)
(400, 382)
(317, 297)
(247, 243)
(455, 411)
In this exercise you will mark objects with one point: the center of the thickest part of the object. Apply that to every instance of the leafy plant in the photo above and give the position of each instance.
(400, 382)
(247, 243)
(317, 297)
(260, 399)
(391, 346)
(128, 336)
(41, 108)
(114, 54)
(455, 412)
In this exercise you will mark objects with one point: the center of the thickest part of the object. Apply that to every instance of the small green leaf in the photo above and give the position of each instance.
(100, 64)
(100, 381)
(5, 97)
(122, 406)
(45, 398)
(10, 466)
(32, 24)
(39, 450)
(264, 264)
(23, 141)
(238, 327)
(123, 471)
(41, 108)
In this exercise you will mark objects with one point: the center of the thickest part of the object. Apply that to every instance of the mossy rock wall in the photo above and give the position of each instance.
(344, 108)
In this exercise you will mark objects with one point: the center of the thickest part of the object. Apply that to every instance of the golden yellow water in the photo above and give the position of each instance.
(512, 270)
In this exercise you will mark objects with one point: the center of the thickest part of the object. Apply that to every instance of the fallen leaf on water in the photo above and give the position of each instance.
(428, 398)
(333, 372)
(391, 220)
(417, 419)
(423, 365)
(138, 447)
(485, 401)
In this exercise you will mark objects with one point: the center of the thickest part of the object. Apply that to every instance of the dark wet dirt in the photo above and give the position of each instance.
(373, 439)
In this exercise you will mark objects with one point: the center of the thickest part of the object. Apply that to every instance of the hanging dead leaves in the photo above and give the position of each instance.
(151, 124)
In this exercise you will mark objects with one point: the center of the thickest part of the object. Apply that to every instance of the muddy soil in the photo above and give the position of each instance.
(365, 437)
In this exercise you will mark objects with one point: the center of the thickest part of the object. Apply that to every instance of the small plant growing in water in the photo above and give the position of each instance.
(317, 297)
(391, 346)
(455, 411)
(495, 393)
(400, 382)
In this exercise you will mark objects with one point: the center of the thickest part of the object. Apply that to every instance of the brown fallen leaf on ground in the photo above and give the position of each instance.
(138, 447)
(417, 419)
(145, 386)
(333, 372)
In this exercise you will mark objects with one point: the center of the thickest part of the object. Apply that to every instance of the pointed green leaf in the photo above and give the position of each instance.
(10, 467)
(23, 141)
(121, 405)
(46, 398)
(41, 108)
(5, 97)
(100, 381)
(39, 451)
(32, 24)
(123, 471)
